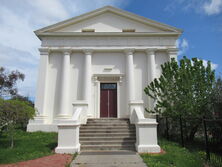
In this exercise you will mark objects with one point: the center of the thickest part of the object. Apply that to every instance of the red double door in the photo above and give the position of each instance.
(108, 100)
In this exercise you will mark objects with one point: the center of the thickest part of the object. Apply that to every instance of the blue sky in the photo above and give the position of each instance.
(201, 21)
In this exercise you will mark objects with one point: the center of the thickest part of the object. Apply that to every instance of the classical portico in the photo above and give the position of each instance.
(96, 66)
(93, 79)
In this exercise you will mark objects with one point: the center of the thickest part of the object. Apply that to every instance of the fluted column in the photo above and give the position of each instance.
(130, 75)
(87, 78)
(172, 53)
(65, 85)
(41, 92)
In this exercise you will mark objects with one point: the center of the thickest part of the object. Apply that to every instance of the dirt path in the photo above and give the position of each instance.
(56, 160)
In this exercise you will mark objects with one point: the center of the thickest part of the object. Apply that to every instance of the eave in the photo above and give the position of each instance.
(132, 16)
(106, 34)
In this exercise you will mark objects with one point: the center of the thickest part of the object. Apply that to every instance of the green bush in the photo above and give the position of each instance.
(13, 113)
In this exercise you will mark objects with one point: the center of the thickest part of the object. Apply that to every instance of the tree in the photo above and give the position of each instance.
(217, 98)
(8, 82)
(216, 126)
(184, 90)
(13, 113)
(23, 98)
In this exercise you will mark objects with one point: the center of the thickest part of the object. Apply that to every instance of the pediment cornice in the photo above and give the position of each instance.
(49, 30)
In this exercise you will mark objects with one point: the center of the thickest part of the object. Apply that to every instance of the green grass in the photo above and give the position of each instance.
(27, 146)
(175, 156)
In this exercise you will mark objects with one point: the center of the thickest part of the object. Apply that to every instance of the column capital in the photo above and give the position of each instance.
(88, 51)
(44, 51)
(129, 51)
(150, 51)
(66, 51)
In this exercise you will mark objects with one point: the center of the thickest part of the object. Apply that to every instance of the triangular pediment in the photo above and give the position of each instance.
(109, 19)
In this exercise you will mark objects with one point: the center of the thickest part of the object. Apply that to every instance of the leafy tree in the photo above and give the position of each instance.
(184, 90)
(217, 98)
(23, 98)
(12, 113)
(8, 82)
(215, 127)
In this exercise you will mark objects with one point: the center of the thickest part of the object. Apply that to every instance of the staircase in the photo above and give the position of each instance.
(107, 134)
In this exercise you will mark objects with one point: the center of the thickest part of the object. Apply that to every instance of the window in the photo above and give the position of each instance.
(108, 86)
(88, 30)
(128, 30)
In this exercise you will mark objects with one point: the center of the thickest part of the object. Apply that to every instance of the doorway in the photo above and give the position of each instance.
(108, 100)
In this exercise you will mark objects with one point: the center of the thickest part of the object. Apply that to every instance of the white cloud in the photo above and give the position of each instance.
(18, 20)
(213, 66)
(182, 45)
(206, 7)
(212, 7)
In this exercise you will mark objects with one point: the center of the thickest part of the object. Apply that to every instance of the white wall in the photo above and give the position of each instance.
(161, 58)
(109, 41)
(104, 59)
(109, 22)
(116, 61)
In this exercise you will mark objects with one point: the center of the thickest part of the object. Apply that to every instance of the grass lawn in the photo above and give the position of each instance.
(27, 146)
(175, 156)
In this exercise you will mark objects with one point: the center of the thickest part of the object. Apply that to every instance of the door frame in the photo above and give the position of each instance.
(118, 95)
(116, 98)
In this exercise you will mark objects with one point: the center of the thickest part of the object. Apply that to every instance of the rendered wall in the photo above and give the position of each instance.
(109, 22)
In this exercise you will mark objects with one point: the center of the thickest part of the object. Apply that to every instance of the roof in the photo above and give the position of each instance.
(49, 30)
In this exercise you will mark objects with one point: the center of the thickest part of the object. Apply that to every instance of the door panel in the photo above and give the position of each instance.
(112, 103)
(104, 103)
(108, 100)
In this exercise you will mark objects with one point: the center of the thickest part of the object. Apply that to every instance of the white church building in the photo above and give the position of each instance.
(93, 71)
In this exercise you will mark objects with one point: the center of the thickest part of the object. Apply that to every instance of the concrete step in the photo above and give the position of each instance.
(107, 131)
(107, 138)
(106, 126)
(108, 134)
(106, 142)
(107, 121)
(113, 119)
(107, 147)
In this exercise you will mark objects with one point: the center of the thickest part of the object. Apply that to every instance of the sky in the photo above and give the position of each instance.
(201, 21)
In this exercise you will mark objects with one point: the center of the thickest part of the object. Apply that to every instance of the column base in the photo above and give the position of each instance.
(62, 119)
(63, 116)
(41, 119)
(148, 148)
(67, 150)
(40, 123)
(33, 127)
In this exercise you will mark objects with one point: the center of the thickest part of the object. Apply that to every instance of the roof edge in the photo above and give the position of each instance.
(98, 11)
(113, 34)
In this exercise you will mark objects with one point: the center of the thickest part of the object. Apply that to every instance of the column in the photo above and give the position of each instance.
(172, 53)
(130, 87)
(41, 92)
(151, 71)
(151, 64)
(87, 78)
(65, 85)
